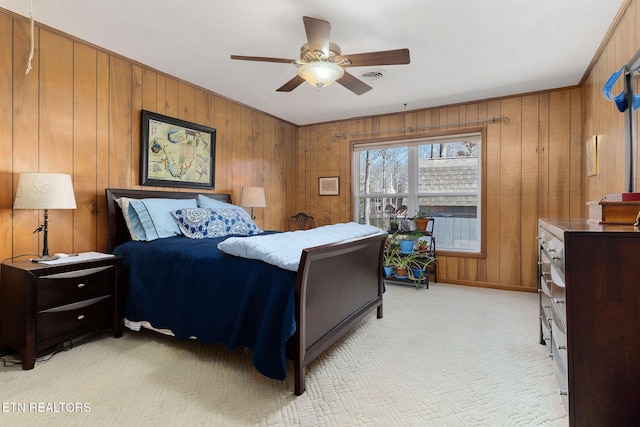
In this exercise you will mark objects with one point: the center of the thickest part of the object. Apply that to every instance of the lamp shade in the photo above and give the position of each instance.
(320, 73)
(44, 191)
(253, 197)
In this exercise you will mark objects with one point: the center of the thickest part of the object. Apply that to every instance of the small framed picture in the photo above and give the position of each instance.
(592, 156)
(329, 186)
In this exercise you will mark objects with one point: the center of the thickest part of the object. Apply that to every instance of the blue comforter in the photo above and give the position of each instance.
(192, 288)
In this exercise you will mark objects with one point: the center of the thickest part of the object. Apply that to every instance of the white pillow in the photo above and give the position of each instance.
(154, 216)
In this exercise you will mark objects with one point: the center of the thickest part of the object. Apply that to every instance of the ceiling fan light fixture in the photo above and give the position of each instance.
(320, 73)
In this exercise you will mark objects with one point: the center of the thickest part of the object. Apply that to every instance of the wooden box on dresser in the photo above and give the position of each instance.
(589, 279)
(44, 305)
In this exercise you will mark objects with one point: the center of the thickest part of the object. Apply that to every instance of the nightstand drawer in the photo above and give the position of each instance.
(71, 320)
(78, 285)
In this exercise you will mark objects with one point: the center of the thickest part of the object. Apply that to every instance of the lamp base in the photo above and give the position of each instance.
(44, 258)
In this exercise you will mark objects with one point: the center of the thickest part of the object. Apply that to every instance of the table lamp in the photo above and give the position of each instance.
(253, 197)
(44, 191)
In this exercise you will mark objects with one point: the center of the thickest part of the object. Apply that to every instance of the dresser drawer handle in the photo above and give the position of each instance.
(81, 285)
(81, 317)
(563, 392)
(562, 347)
(558, 301)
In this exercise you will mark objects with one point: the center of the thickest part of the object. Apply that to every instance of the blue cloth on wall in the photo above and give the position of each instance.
(620, 99)
(189, 286)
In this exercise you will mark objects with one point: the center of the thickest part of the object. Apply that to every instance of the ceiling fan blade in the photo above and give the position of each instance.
(291, 84)
(317, 34)
(385, 57)
(263, 59)
(353, 84)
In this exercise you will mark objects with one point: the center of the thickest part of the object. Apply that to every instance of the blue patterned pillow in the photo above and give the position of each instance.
(200, 223)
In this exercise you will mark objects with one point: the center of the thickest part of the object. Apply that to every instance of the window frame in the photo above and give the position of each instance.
(421, 139)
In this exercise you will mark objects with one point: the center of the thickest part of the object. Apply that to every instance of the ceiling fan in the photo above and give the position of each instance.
(322, 62)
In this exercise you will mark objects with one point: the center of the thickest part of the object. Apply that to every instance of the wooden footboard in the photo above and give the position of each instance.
(337, 286)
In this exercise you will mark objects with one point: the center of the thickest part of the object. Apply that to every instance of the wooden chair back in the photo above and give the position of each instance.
(301, 221)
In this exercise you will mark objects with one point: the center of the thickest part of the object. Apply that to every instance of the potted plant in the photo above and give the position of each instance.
(408, 242)
(424, 243)
(420, 267)
(390, 253)
(422, 219)
(402, 263)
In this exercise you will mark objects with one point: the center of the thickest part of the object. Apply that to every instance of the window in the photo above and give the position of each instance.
(440, 175)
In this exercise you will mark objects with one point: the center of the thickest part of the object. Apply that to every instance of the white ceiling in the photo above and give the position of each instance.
(461, 50)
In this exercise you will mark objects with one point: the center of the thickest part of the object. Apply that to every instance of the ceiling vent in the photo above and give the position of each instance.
(373, 74)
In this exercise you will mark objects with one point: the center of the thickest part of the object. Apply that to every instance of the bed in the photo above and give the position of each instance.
(335, 286)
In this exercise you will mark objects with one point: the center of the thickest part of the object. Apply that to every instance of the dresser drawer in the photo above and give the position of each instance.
(77, 285)
(560, 341)
(558, 283)
(558, 300)
(545, 273)
(556, 253)
(559, 315)
(553, 247)
(545, 285)
(546, 320)
(560, 368)
(68, 321)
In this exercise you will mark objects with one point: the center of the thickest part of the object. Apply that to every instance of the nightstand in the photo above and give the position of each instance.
(44, 305)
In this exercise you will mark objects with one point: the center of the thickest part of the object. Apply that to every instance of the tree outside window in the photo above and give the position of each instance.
(439, 175)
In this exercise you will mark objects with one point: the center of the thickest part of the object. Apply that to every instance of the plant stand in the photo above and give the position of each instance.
(428, 271)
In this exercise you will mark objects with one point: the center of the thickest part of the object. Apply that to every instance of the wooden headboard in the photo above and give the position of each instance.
(117, 231)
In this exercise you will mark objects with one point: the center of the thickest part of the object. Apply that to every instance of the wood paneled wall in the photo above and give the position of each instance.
(601, 116)
(78, 112)
(535, 163)
(533, 169)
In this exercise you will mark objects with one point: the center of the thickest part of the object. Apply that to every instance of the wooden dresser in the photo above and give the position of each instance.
(589, 279)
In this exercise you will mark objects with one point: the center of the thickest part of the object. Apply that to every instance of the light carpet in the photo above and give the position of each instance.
(447, 356)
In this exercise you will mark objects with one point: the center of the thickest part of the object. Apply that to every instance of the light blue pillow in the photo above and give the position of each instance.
(208, 202)
(131, 219)
(200, 223)
(151, 218)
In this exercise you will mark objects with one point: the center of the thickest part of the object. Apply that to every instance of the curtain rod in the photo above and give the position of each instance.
(492, 120)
